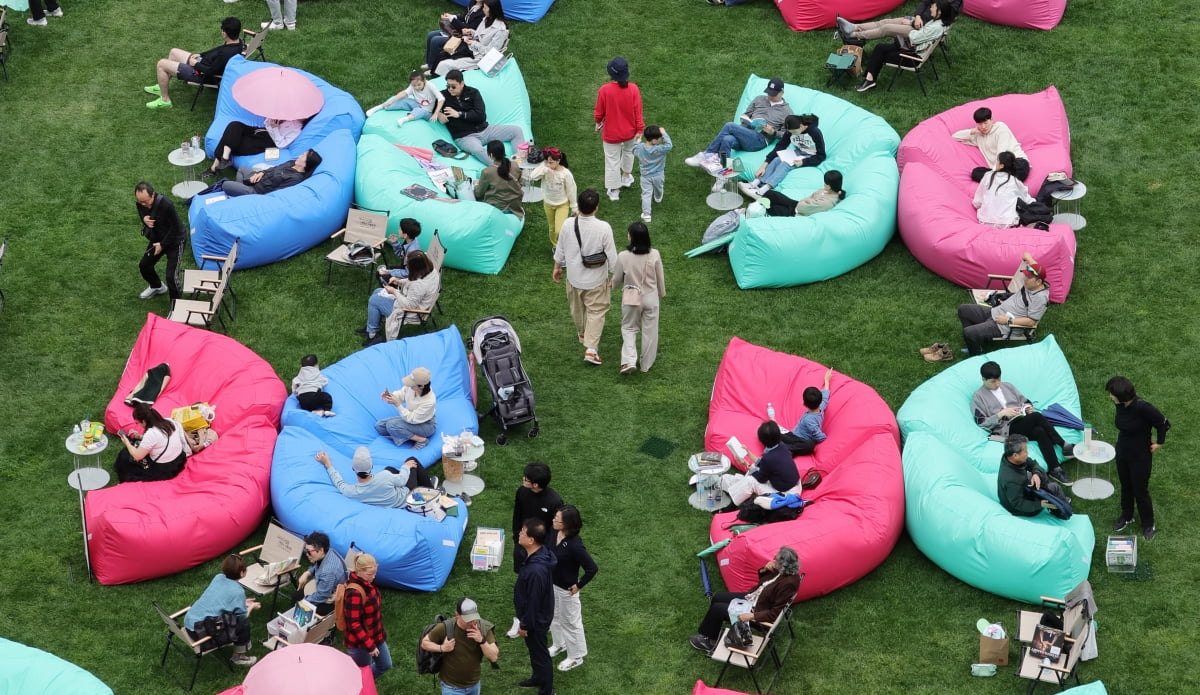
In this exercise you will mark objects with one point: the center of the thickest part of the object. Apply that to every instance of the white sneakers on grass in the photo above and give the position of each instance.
(151, 291)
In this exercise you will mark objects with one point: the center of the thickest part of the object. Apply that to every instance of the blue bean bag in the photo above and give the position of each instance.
(950, 466)
(282, 224)
(524, 10)
(414, 552)
(478, 237)
(786, 251)
(28, 671)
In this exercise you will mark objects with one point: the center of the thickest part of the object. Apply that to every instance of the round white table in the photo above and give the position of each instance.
(85, 479)
(1068, 202)
(189, 187)
(709, 496)
(468, 483)
(532, 191)
(724, 195)
(1095, 454)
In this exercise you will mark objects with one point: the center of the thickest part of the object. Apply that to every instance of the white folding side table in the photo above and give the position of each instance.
(463, 482)
(189, 187)
(85, 479)
(1068, 201)
(1096, 453)
(709, 496)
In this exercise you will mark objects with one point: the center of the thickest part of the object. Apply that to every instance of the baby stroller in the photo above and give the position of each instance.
(497, 350)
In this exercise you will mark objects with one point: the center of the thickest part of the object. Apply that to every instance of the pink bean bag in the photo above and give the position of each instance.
(702, 689)
(858, 509)
(144, 530)
(803, 15)
(935, 214)
(1025, 14)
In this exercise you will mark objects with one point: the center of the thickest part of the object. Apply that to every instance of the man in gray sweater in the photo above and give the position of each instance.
(755, 129)
(1003, 410)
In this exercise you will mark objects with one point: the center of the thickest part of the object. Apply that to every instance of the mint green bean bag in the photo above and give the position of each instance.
(950, 466)
(28, 671)
(478, 237)
(786, 251)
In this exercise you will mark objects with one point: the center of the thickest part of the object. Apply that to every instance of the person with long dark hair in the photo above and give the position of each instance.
(997, 194)
(639, 274)
(566, 630)
(820, 200)
(416, 291)
(1134, 419)
(618, 115)
(806, 145)
(491, 34)
(499, 185)
(242, 138)
(911, 39)
(160, 453)
(451, 25)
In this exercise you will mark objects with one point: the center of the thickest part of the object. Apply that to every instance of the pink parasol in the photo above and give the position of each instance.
(304, 669)
(280, 93)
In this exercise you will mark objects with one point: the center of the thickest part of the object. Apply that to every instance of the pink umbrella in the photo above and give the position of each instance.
(280, 93)
(304, 669)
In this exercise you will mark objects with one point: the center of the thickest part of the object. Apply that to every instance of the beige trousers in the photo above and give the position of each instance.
(588, 308)
(618, 161)
(645, 319)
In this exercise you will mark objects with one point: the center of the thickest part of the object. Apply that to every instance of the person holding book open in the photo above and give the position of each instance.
(756, 128)
(774, 471)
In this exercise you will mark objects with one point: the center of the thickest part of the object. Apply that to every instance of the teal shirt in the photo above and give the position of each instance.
(222, 594)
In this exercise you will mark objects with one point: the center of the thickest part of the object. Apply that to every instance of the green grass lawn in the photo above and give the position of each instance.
(76, 138)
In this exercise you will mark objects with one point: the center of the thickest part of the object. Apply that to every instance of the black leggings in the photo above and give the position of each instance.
(242, 139)
(780, 204)
(131, 471)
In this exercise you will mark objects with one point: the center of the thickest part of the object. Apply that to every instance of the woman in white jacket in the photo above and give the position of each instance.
(997, 194)
(491, 33)
(639, 267)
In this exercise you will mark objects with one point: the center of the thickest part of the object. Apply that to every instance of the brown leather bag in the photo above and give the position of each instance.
(856, 69)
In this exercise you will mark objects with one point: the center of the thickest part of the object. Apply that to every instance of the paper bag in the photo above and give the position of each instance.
(993, 651)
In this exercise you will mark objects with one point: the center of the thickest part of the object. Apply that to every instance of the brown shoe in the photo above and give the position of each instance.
(936, 347)
(943, 355)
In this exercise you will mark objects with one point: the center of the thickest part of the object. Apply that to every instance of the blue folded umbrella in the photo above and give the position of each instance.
(1061, 416)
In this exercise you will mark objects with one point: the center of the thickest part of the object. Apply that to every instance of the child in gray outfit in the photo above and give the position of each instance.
(652, 159)
(308, 388)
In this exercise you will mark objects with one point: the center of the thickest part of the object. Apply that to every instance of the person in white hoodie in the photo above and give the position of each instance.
(997, 195)
(309, 388)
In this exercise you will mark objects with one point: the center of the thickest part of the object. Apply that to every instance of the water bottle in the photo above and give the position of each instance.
(1087, 436)
(196, 143)
(86, 424)
(770, 411)
(76, 431)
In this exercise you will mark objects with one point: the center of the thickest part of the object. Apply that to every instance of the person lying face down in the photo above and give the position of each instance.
(289, 173)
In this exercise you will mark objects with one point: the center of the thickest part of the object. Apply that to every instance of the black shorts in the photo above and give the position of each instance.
(187, 73)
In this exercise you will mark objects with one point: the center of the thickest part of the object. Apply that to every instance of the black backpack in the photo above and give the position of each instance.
(1035, 215)
(431, 662)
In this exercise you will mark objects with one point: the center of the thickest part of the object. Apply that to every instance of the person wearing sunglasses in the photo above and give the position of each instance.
(327, 570)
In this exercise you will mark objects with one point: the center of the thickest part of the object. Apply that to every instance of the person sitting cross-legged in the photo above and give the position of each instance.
(774, 471)
(1023, 309)
(1020, 480)
(203, 67)
(1002, 410)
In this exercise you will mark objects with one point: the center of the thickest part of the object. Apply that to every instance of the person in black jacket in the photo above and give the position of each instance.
(533, 599)
(1019, 476)
(775, 470)
(1134, 420)
(290, 173)
(203, 67)
(164, 236)
(465, 116)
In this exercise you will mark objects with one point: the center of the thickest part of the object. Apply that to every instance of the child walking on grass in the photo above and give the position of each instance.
(651, 153)
(558, 190)
(308, 388)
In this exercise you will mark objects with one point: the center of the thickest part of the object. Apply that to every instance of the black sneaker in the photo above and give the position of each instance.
(1061, 476)
(703, 643)
(1068, 451)
(866, 84)
(1120, 524)
(1149, 533)
(529, 683)
(361, 331)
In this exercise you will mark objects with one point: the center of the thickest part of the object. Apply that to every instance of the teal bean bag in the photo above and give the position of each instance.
(950, 466)
(786, 251)
(478, 237)
(28, 671)
(1096, 688)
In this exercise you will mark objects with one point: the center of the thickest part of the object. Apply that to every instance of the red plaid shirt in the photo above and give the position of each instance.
(364, 618)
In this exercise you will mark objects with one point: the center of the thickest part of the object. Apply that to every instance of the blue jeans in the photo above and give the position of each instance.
(434, 42)
(734, 135)
(378, 309)
(401, 430)
(379, 664)
(409, 104)
(776, 172)
(451, 690)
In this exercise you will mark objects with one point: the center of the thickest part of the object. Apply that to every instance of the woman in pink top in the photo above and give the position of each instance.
(619, 120)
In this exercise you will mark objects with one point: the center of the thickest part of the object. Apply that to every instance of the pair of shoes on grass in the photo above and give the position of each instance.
(938, 352)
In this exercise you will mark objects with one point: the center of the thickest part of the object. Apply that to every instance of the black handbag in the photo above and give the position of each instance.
(739, 636)
(590, 260)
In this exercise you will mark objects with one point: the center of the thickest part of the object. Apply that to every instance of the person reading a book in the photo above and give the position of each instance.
(398, 296)
(774, 471)
(224, 600)
(778, 582)
(1020, 480)
(756, 128)
(322, 577)
(808, 432)
(804, 147)
(1001, 409)
(1023, 309)
(290, 173)
(388, 488)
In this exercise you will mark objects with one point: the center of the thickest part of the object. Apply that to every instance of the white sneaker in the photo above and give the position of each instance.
(514, 631)
(151, 291)
(243, 659)
(555, 650)
(658, 198)
(568, 664)
(37, 22)
(271, 26)
(614, 194)
(695, 160)
(290, 27)
(230, 2)
(627, 180)
(748, 189)
(55, 13)
(646, 217)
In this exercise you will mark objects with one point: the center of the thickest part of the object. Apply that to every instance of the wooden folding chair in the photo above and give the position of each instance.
(178, 637)
(437, 256)
(199, 312)
(278, 546)
(362, 241)
(1059, 672)
(204, 281)
(908, 62)
(1011, 284)
(254, 45)
(763, 650)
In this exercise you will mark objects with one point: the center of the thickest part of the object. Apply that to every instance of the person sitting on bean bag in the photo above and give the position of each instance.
(774, 471)
(756, 129)
(160, 453)
(820, 200)
(1020, 479)
(996, 196)
(992, 138)
(289, 173)
(807, 149)
(388, 488)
